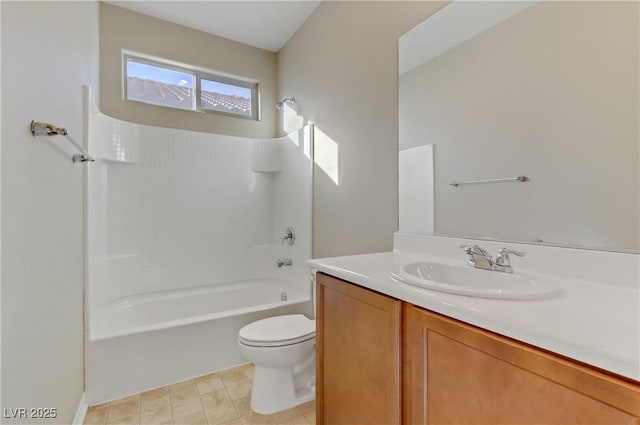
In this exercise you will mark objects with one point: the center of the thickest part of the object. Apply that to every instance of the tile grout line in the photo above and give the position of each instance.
(233, 405)
(204, 413)
(238, 417)
(173, 421)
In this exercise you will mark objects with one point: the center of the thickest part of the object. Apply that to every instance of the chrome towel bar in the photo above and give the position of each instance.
(508, 179)
(45, 129)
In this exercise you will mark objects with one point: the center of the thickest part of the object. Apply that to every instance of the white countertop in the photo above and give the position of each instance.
(595, 323)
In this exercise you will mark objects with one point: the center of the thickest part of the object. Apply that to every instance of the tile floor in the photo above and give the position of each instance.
(221, 398)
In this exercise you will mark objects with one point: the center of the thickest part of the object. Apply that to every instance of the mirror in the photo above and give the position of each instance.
(543, 98)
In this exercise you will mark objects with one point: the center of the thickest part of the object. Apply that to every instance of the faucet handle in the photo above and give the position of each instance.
(504, 252)
(503, 262)
(289, 236)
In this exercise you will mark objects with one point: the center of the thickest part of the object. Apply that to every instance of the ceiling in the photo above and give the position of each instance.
(452, 25)
(264, 24)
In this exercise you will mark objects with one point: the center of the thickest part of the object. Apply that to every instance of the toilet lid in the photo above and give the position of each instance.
(279, 330)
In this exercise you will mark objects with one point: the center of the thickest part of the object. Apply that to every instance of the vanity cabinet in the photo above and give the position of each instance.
(459, 374)
(384, 361)
(358, 334)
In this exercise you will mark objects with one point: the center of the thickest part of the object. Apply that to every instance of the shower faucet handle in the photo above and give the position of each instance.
(289, 236)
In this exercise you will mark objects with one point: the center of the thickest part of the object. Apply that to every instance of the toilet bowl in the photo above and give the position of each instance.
(283, 351)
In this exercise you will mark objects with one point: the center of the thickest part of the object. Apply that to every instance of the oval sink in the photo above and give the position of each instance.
(463, 280)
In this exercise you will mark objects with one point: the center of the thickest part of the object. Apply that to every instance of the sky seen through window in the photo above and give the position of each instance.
(182, 79)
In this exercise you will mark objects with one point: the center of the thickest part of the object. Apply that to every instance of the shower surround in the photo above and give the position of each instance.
(184, 232)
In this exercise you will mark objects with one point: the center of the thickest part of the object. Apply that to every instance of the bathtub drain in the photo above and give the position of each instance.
(283, 296)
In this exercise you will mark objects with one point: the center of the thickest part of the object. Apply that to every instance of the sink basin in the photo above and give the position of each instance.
(464, 280)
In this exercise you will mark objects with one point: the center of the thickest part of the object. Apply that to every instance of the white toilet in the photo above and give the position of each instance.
(283, 351)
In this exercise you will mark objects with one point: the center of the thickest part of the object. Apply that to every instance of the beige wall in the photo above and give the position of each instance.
(49, 50)
(342, 68)
(551, 94)
(124, 29)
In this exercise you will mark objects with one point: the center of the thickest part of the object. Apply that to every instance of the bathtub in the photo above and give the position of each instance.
(146, 341)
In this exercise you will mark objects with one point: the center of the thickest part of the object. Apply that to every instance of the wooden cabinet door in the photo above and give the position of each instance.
(459, 374)
(358, 355)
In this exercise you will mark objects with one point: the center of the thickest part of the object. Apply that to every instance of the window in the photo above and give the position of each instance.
(157, 83)
(221, 97)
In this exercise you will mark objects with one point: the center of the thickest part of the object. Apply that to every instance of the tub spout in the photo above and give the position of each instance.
(285, 262)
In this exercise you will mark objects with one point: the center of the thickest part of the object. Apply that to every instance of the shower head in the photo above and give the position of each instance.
(280, 105)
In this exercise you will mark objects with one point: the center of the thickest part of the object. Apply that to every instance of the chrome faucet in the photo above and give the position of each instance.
(285, 262)
(480, 258)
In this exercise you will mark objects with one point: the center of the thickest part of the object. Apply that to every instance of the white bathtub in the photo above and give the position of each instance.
(146, 341)
(161, 310)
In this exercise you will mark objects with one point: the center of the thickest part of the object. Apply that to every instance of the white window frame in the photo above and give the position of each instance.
(198, 74)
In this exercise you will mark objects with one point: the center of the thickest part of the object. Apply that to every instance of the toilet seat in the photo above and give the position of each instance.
(278, 331)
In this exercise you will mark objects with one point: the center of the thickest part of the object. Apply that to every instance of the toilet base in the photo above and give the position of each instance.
(277, 389)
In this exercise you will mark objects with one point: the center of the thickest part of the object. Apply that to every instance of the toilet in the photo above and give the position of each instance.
(283, 351)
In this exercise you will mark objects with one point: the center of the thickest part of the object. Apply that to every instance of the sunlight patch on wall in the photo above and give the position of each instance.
(291, 121)
(326, 154)
(308, 140)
